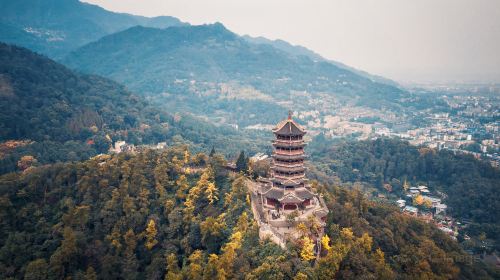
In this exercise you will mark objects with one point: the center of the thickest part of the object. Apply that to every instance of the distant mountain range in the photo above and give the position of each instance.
(55, 27)
(208, 62)
(238, 79)
(298, 50)
(151, 60)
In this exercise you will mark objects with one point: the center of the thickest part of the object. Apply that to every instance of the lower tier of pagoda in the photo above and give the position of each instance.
(291, 198)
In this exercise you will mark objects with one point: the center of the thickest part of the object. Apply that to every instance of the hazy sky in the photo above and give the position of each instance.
(405, 40)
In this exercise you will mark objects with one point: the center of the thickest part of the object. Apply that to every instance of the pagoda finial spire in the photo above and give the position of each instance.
(290, 113)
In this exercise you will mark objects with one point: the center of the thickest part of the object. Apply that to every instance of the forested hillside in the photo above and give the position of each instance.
(211, 71)
(70, 116)
(147, 216)
(56, 27)
(472, 186)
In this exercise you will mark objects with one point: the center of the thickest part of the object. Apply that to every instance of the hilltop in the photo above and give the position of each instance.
(146, 216)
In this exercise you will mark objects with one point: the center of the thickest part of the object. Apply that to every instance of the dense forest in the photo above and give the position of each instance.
(175, 215)
(71, 117)
(471, 185)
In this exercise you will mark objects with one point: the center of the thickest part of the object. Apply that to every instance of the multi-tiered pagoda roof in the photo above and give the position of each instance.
(286, 193)
(288, 187)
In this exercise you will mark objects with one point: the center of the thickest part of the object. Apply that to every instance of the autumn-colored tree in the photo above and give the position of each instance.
(212, 270)
(25, 162)
(300, 276)
(382, 269)
(365, 241)
(173, 271)
(211, 192)
(151, 235)
(143, 201)
(427, 203)
(302, 229)
(200, 159)
(205, 181)
(307, 250)
(325, 243)
(161, 177)
(229, 253)
(182, 187)
(195, 268)
(187, 156)
(418, 200)
(242, 223)
(115, 238)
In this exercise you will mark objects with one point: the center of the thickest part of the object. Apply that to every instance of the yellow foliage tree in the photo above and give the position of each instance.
(418, 200)
(300, 276)
(187, 156)
(195, 268)
(325, 242)
(182, 187)
(307, 251)
(212, 193)
(427, 203)
(173, 272)
(242, 224)
(115, 238)
(151, 235)
(229, 253)
(347, 234)
(302, 229)
(366, 242)
(382, 270)
(26, 161)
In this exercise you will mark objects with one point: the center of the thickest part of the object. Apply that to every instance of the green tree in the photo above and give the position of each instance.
(242, 163)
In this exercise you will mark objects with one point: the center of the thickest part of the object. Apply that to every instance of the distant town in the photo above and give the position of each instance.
(463, 123)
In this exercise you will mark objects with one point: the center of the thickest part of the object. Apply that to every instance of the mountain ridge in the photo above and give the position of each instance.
(72, 116)
(209, 64)
(301, 50)
(65, 25)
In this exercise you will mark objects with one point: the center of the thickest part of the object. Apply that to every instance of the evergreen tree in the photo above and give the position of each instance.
(242, 163)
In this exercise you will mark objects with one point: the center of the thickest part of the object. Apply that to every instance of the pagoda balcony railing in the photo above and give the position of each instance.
(288, 165)
(288, 156)
(288, 153)
(289, 177)
(289, 142)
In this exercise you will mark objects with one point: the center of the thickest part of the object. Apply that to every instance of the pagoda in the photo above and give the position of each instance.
(285, 198)
(287, 189)
(288, 182)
